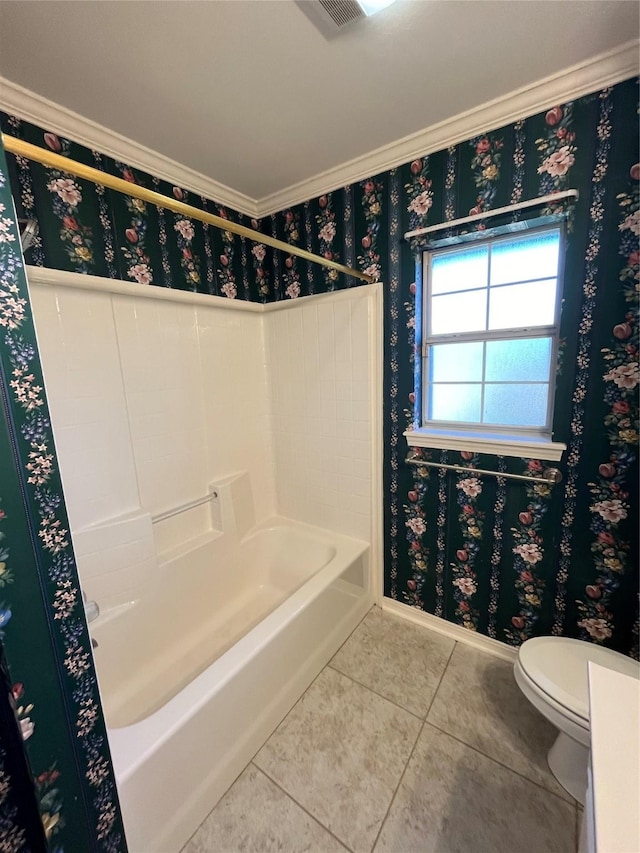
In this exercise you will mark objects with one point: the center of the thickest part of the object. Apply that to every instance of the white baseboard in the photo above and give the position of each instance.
(448, 629)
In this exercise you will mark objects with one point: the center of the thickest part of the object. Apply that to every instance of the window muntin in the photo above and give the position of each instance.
(490, 321)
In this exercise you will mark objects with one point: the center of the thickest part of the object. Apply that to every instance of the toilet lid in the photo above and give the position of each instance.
(558, 666)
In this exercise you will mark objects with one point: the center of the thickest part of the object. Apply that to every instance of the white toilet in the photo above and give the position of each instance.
(552, 674)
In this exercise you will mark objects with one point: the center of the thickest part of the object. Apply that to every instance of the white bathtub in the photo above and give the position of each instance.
(197, 673)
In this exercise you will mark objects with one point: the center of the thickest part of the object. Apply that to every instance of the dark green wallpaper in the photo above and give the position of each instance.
(511, 561)
(503, 558)
(44, 636)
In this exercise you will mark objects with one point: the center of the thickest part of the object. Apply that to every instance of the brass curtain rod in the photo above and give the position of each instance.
(88, 173)
(552, 475)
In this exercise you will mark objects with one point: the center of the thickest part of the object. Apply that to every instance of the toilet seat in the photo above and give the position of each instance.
(556, 667)
(558, 714)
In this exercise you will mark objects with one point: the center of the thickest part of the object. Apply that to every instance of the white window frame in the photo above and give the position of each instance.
(502, 439)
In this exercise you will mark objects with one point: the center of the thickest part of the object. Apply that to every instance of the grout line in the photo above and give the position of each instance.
(420, 717)
(304, 809)
(413, 749)
(444, 672)
(255, 754)
(375, 692)
(397, 788)
(578, 826)
(570, 802)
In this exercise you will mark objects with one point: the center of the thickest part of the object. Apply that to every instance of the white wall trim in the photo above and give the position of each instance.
(29, 106)
(602, 70)
(358, 292)
(448, 629)
(44, 276)
(100, 284)
(376, 349)
(501, 445)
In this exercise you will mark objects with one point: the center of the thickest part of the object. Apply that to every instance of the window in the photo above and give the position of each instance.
(491, 314)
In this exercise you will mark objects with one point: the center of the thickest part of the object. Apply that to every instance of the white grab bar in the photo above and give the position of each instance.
(169, 513)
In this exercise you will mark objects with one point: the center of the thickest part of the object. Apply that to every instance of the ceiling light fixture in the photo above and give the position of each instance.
(370, 7)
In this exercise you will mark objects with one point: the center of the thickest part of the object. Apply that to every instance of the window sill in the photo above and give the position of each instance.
(529, 447)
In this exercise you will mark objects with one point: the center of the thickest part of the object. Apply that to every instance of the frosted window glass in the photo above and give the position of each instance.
(455, 403)
(526, 359)
(459, 312)
(525, 258)
(460, 270)
(522, 305)
(516, 405)
(456, 362)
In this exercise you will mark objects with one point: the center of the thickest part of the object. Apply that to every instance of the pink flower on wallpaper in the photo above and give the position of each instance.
(625, 376)
(293, 291)
(27, 728)
(373, 270)
(530, 552)
(597, 628)
(229, 289)
(612, 511)
(141, 273)
(259, 252)
(631, 223)
(467, 586)
(471, 486)
(417, 525)
(421, 204)
(185, 228)
(558, 163)
(67, 190)
(327, 232)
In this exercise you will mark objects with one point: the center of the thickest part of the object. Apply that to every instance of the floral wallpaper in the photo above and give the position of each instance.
(508, 559)
(505, 558)
(88, 229)
(53, 689)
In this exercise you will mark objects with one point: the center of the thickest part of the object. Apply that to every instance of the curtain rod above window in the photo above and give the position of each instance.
(534, 202)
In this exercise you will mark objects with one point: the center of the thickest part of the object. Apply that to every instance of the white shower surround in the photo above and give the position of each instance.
(290, 392)
(179, 389)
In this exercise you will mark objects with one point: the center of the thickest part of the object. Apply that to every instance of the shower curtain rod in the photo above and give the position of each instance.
(553, 475)
(55, 161)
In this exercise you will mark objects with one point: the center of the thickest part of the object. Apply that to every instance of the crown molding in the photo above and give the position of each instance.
(27, 105)
(599, 71)
(604, 69)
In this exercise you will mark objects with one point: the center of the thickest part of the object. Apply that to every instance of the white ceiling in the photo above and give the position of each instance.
(249, 93)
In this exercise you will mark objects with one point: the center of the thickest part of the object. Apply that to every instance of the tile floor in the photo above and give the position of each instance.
(406, 741)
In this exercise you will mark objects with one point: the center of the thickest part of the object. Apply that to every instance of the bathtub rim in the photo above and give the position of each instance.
(132, 745)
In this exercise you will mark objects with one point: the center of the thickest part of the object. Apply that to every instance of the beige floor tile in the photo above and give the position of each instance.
(340, 753)
(399, 660)
(480, 703)
(452, 799)
(255, 816)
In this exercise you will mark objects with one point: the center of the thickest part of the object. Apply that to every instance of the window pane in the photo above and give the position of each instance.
(459, 312)
(522, 305)
(525, 359)
(516, 405)
(456, 362)
(525, 258)
(459, 270)
(455, 403)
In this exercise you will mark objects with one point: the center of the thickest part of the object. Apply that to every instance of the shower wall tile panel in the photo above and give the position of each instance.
(152, 402)
(321, 369)
(79, 348)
